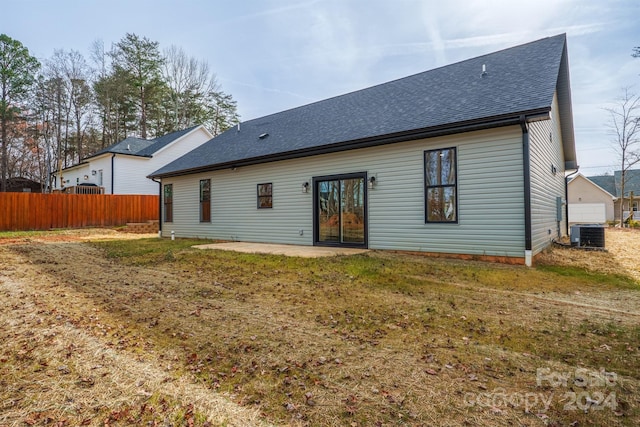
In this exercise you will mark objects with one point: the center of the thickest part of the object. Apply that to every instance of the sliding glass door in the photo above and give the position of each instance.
(340, 205)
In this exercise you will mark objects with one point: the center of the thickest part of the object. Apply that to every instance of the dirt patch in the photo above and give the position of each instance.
(159, 335)
(621, 256)
(74, 235)
(65, 372)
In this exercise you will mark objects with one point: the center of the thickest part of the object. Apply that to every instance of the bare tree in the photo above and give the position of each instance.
(76, 72)
(625, 129)
(190, 83)
(69, 73)
(100, 61)
(196, 96)
(45, 127)
(58, 98)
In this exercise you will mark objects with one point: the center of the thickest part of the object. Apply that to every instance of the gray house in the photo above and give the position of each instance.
(465, 160)
(629, 201)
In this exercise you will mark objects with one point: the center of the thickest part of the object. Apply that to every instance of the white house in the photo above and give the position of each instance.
(123, 167)
(466, 160)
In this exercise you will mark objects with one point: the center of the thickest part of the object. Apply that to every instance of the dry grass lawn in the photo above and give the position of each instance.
(102, 331)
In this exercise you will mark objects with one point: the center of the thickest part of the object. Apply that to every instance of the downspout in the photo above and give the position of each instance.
(113, 173)
(566, 197)
(526, 171)
(159, 206)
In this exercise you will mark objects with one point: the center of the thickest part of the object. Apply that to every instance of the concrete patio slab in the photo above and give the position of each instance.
(288, 250)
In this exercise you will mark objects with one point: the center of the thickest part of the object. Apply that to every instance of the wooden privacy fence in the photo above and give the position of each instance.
(33, 211)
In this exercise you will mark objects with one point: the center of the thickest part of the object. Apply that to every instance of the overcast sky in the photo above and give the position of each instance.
(273, 55)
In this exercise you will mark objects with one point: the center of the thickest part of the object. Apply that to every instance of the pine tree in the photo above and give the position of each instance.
(17, 74)
(140, 60)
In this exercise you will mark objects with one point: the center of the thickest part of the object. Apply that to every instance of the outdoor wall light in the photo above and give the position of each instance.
(372, 182)
(305, 187)
(93, 172)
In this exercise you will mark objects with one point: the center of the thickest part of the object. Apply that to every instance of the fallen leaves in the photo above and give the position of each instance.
(311, 348)
(86, 382)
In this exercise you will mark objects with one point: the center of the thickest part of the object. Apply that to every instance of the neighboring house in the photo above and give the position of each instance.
(23, 185)
(589, 203)
(123, 167)
(465, 160)
(611, 183)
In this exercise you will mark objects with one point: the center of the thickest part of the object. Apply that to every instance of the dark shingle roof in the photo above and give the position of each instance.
(611, 183)
(143, 147)
(606, 182)
(519, 80)
(163, 141)
(129, 145)
(632, 182)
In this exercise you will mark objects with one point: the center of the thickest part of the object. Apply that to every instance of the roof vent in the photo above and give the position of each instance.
(128, 147)
(484, 70)
(263, 136)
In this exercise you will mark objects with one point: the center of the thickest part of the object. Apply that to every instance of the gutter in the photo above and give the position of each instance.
(566, 196)
(447, 129)
(159, 206)
(526, 172)
(113, 175)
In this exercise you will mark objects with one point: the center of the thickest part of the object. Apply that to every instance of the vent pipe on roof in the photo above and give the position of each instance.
(484, 70)
(128, 147)
(238, 126)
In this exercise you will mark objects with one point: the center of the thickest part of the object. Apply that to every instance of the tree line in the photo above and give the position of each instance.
(57, 111)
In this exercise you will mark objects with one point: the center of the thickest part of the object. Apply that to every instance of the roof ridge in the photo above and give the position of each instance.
(561, 35)
(185, 130)
(521, 80)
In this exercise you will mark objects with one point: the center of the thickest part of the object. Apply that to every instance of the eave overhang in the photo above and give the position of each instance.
(431, 132)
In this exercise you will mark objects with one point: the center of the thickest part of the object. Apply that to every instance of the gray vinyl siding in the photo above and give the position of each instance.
(546, 151)
(490, 197)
